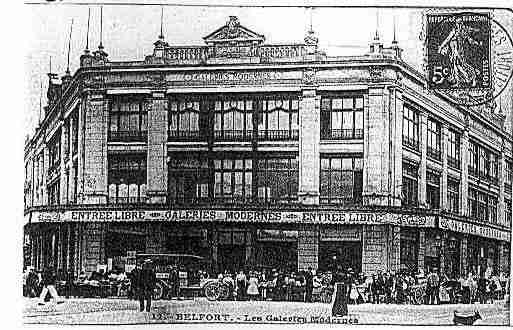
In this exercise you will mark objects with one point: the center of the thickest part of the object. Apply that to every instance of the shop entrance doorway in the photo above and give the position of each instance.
(277, 255)
(344, 253)
(231, 258)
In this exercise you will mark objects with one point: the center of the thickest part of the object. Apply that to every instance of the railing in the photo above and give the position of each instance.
(342, 134)
(410, 143)
(277, 135)
(185, 135)
(233, 135)
(202, 53)
(128, 136)
(189, 53)
(434, 153)
(453, 162)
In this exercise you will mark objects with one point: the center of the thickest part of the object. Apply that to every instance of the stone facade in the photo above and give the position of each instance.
(304, 71)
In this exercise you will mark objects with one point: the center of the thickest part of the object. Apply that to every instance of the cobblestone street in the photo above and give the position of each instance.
(122, 311)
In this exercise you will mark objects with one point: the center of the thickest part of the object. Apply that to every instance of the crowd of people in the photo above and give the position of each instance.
(308, 285)
(402, 287)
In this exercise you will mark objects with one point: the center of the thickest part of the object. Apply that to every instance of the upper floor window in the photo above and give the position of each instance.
(277, 179)
(127, 119)
(233, 179)
(453, 149)
(54, 153)
(410, 185)
(433, 139)
(233, 119)
(186, 120)
(483, 163)
(278, 119)
(433, 190)
(127, 178)
(342, 118)
(410, 127)
(453, 196)
(507, 212)
(188, 179)
(473, 154)
(341, 180)
(74, 133)
(54, 193)
(507, 174)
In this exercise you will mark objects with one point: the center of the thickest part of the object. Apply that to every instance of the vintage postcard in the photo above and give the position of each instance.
(255, 163)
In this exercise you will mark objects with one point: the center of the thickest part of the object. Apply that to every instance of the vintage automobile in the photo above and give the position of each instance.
(189, 269)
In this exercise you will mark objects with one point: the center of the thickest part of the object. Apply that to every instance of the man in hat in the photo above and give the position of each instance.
(146, 284)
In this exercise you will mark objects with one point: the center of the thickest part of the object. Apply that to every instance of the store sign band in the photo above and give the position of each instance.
(473, 229)
(327, 217)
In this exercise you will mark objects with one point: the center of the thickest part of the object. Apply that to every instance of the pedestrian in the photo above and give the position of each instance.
(375, 289)
(32, 283)
(481, 289)
(146, 284)
(465, 289)
(308, 285)
(174, 281)
(48, 281)
(241, 282)
(339, 280)
(252, 289)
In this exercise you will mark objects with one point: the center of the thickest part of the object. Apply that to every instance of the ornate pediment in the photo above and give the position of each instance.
(233, 33)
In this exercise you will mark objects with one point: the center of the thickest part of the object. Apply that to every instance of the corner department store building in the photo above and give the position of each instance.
(259, 155)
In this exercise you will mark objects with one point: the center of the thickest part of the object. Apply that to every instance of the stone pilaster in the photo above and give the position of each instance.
(421, 248)
(443, 250)
(443, 186)
(464, 172)
(309, 140)
(155, 238)
(46, 166)
(374, 254)
(502, 175)
(464, 255)
(95, 150)
(394, 248)
(63, 190)
(250, 238)
(504, 257)
(397, 148)
(377, 145)
(91, 246)
(423, 158)
(157, 149)
(308, 248)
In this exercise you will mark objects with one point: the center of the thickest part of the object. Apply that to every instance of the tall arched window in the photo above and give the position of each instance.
(184, 120)
(233, 119)
(279, 119)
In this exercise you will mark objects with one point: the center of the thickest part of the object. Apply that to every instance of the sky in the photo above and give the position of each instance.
(130, 30)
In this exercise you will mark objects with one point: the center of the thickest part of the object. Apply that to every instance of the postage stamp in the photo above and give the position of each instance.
(251, 164)
(465, 56)
(459, 51)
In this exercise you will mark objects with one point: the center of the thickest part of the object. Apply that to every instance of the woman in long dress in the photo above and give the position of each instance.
(253, 286)
(339, 307)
